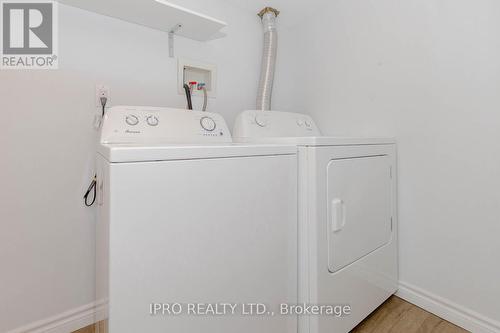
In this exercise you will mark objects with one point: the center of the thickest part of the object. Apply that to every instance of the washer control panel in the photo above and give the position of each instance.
(138, 124)
(261, 124)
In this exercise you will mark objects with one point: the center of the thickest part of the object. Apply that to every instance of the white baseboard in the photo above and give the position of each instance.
(75, 319)
(66, 322)
(452, 312)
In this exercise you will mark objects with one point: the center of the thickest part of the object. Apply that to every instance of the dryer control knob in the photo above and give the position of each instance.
(208, 124)
(261, 120)
(152, 121)
(131, 120)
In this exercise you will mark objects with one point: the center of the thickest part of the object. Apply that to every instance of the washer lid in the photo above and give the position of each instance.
(119, 153)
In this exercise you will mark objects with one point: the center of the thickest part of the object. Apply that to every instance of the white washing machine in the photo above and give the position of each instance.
(186, 217)
(347, 216)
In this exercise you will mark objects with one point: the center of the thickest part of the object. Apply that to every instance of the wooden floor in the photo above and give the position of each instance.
(97, 328)
(394, 316)
(397, 316)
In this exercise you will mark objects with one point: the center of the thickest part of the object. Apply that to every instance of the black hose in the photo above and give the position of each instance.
(188, 96)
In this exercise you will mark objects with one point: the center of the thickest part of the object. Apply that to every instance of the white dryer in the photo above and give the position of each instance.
(186, 217)
(347, 216)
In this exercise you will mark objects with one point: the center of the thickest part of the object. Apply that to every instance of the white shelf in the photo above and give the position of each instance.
(156, 14)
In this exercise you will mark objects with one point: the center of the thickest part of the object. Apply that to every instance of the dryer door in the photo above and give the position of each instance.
(359, 208)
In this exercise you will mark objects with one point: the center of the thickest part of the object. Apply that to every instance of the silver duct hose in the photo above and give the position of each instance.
(268, 16)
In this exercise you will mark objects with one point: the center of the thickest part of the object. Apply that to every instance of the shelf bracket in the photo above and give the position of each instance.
(171, 35)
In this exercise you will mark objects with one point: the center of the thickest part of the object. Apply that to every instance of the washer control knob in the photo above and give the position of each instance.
(152, 120)
(262, 121)
(132, 120)
(308, 123)
(300, 122)
(208, 124)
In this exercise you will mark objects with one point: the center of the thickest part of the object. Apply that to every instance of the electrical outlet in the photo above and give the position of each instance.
(101, 91)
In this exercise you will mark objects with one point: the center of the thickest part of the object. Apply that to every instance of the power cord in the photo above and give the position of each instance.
(93, 185)
(99, 117)
(104, 101)
(92, 188)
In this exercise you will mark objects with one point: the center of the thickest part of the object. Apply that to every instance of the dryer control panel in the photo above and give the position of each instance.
(140, 124)
(262, 124)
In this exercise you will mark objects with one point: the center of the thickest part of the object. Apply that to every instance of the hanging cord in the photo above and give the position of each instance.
(188, 97)
(98, 118)
(92, 188)
(104, 101)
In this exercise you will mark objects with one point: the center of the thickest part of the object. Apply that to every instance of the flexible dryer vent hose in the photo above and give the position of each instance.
(268, 16)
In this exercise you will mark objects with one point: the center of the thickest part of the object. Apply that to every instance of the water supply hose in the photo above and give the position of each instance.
(188, 97)
(202, 87)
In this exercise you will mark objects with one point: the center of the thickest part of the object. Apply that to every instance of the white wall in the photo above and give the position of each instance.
(427, 72)
(47, 143)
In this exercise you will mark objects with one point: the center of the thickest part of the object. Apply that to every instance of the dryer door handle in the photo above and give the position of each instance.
(338, 211)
